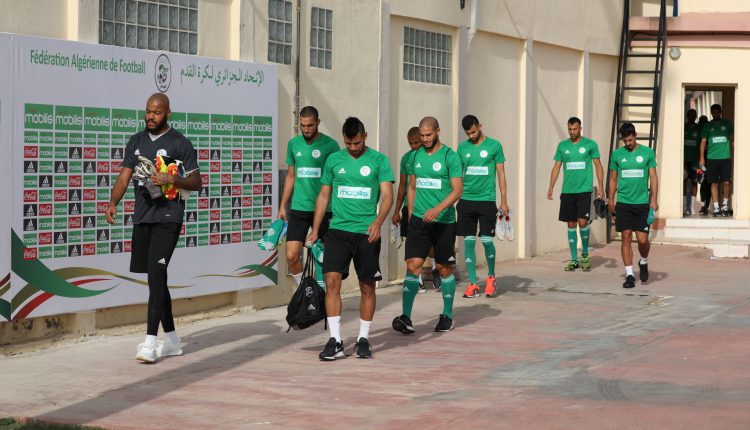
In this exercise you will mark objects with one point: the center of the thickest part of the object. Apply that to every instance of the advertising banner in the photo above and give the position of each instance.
(73, 109)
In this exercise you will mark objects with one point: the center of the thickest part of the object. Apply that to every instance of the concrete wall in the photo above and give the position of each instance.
(529, 66)
(694, 69)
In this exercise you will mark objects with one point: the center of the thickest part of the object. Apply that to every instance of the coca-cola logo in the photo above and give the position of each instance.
(203, 154)
(236, 154)
(247, 224)
(257, 189)
(267, 211)
(30, 151)
(202, 203)
(45, 209)
(101, 207)
(102, 167)
(89, 249)
(226, 178)
(215, 215)
(89, 153)
(236, 190)
(236, 237)
(215, 166)
(61, 195)
(45, 238)
(130, 206)
(29, 254)
(30, 195)
(75, 181)
(214, 239)
(89, 194)
(74, 222)
(247, 201)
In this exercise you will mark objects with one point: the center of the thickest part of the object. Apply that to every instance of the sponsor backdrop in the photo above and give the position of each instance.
(68, 110)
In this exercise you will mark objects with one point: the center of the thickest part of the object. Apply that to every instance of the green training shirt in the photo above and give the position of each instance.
(479, 163)
(355, 188)
(405, 166)
(632, 173)
(433, 173)
(308, 160)
(717, 135)
(692, 143)
(576, 159)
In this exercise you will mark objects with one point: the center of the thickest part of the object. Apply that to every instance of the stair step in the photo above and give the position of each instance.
(637, 121)
(708, 222)
(638, 88)
(642, 72)
(639, 55)
(638, 104)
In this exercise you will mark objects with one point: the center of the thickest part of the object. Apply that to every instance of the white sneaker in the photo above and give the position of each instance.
(146, 353)
(166, 348)
(500, 227)
(509, 233)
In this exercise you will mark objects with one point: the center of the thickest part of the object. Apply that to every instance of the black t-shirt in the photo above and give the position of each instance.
(172, 144)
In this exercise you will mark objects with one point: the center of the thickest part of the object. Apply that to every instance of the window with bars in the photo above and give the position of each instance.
(427, 56)
(167, 25)
(321, 38)
(280, 31)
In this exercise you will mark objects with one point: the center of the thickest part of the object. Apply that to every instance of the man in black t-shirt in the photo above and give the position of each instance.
(157, 220)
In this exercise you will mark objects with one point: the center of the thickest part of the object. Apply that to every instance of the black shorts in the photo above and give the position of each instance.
(470, 212)
(423, 235)
(154, 243)
(343, 246)
(404, 221)
(299, 222)
(575, 206)
(631, 217)
(719, 170)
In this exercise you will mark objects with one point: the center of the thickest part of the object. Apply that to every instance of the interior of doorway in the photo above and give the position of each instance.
(701, 98)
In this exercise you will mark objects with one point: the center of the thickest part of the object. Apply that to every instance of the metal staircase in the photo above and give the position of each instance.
(639, 79)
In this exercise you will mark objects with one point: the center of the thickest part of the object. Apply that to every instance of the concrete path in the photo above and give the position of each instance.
(553, 350)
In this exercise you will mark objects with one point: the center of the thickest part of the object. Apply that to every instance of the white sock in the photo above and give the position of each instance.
(716, 206)
(334, 327)
(297, 278)
(725, 202)
(172, 336)
(644, 260)
(629, 271)
(691, 205)
(150, 340)
(364, 328)
(421, 282)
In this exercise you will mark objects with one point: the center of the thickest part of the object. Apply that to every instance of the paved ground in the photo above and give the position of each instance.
(554, 350)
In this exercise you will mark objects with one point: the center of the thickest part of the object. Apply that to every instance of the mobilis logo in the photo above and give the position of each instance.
(163, 73)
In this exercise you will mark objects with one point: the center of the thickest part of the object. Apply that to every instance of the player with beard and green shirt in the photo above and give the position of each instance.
(482, 158)
(435, 184)
(306, 155)
(632, 172)
(718, 137)
(356, 177)
(576, 156)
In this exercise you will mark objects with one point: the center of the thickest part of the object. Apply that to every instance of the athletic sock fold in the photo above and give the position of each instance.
(573, 243)
(470, 249)
(489, 252)
(585, 240)
(334, 327)
(448, 287)
(411, 288)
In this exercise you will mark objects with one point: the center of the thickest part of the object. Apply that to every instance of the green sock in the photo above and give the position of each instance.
(448, 287)
(585, 240)
(319, 275)
(470, 249)
(573, 243)
(411, 287)
(489, 253)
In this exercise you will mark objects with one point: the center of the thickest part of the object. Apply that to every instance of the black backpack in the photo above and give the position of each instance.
(308, 303)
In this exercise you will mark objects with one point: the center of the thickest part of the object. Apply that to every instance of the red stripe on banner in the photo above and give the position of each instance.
(275, 253)
(5, 280)
(26, 310)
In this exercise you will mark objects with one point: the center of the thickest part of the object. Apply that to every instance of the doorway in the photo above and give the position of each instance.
(699, 195)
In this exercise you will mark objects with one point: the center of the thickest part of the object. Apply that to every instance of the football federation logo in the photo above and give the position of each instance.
(483, 154)
(316, 153)
(436, 166)
(364, 171)
(163, 73)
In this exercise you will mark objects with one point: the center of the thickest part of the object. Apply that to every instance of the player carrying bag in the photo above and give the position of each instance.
(308, 303)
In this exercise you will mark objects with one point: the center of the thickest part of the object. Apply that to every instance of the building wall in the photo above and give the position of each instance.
(695, 68)
(529, 66)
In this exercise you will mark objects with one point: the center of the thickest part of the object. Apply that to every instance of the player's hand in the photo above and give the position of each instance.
(396, 218)
(311, 238)
(282, 213)
(161, 178)
(373, 232)
(549, 194)
(111, 213)
(702, 163)
(611, 207)
(504, 207)
(600, 194)
(430, 215)
(654, 205)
